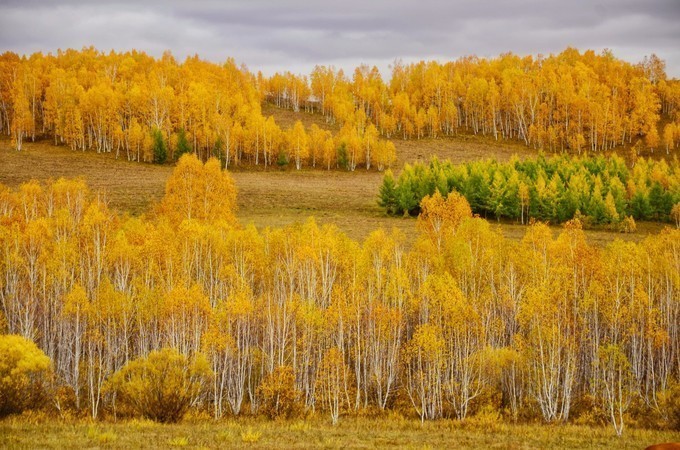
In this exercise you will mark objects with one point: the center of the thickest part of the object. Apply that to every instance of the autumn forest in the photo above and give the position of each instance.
(185, 310)
(115, 102)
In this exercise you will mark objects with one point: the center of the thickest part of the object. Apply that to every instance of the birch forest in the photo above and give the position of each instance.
(185, 310)
(547, 328)
(114, 103)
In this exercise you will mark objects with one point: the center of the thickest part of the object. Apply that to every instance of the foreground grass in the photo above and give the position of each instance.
(317, 433)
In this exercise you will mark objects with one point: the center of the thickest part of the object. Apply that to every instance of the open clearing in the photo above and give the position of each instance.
(315, 433)
(270, 198)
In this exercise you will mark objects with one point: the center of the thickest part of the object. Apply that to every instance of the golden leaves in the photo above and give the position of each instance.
(197, 191)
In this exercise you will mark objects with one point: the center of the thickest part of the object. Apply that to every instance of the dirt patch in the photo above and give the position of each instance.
(348, 200)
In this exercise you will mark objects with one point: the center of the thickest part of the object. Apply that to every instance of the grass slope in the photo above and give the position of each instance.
(273, 198)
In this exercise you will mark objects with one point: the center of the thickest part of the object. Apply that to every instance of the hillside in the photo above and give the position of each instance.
(267, 199)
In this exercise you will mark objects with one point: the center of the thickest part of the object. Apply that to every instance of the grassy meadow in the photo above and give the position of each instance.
(272, 198)
(392, 432)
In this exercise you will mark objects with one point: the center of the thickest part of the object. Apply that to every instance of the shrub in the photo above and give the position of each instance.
(162, 386)
(387, 197)
(627, 225)
(343, 158)
(103, 437)
(280, 398)
(488, 419)
(669, 403)
(24, 370)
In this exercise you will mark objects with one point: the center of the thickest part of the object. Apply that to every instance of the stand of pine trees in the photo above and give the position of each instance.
(597, 190)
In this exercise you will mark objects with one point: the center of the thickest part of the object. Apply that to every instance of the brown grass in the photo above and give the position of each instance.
(267, 199)
(131, 187)
(348, 200)
(393, 432)
(286, 118)
(459, 149)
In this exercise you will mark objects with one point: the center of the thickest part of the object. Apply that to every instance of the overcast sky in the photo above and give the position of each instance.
(271, 35)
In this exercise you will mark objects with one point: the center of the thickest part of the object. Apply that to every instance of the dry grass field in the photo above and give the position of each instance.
(286, 118)
(393, 432)
(270, 198)
(129, 186)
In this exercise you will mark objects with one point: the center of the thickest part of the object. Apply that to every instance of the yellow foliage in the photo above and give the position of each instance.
(161, 386)
(76, 304)
(366, 326)
(280, 398)
(440, 217)
(24, 369)
(197, 191)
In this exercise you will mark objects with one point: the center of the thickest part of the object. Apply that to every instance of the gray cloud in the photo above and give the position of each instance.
(271, 35)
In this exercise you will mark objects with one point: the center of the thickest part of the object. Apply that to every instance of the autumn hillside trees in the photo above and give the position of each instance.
(114, 103)
(571, 101)
(197, 191)
(146, 109)
(304, 319)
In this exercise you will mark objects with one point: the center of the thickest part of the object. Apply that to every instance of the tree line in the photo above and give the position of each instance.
(124, 103)
(146, 109)
(597, 190)
(305, 319)
(571, 101)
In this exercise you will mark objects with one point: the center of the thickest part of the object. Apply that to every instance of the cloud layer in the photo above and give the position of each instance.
(271, 35)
